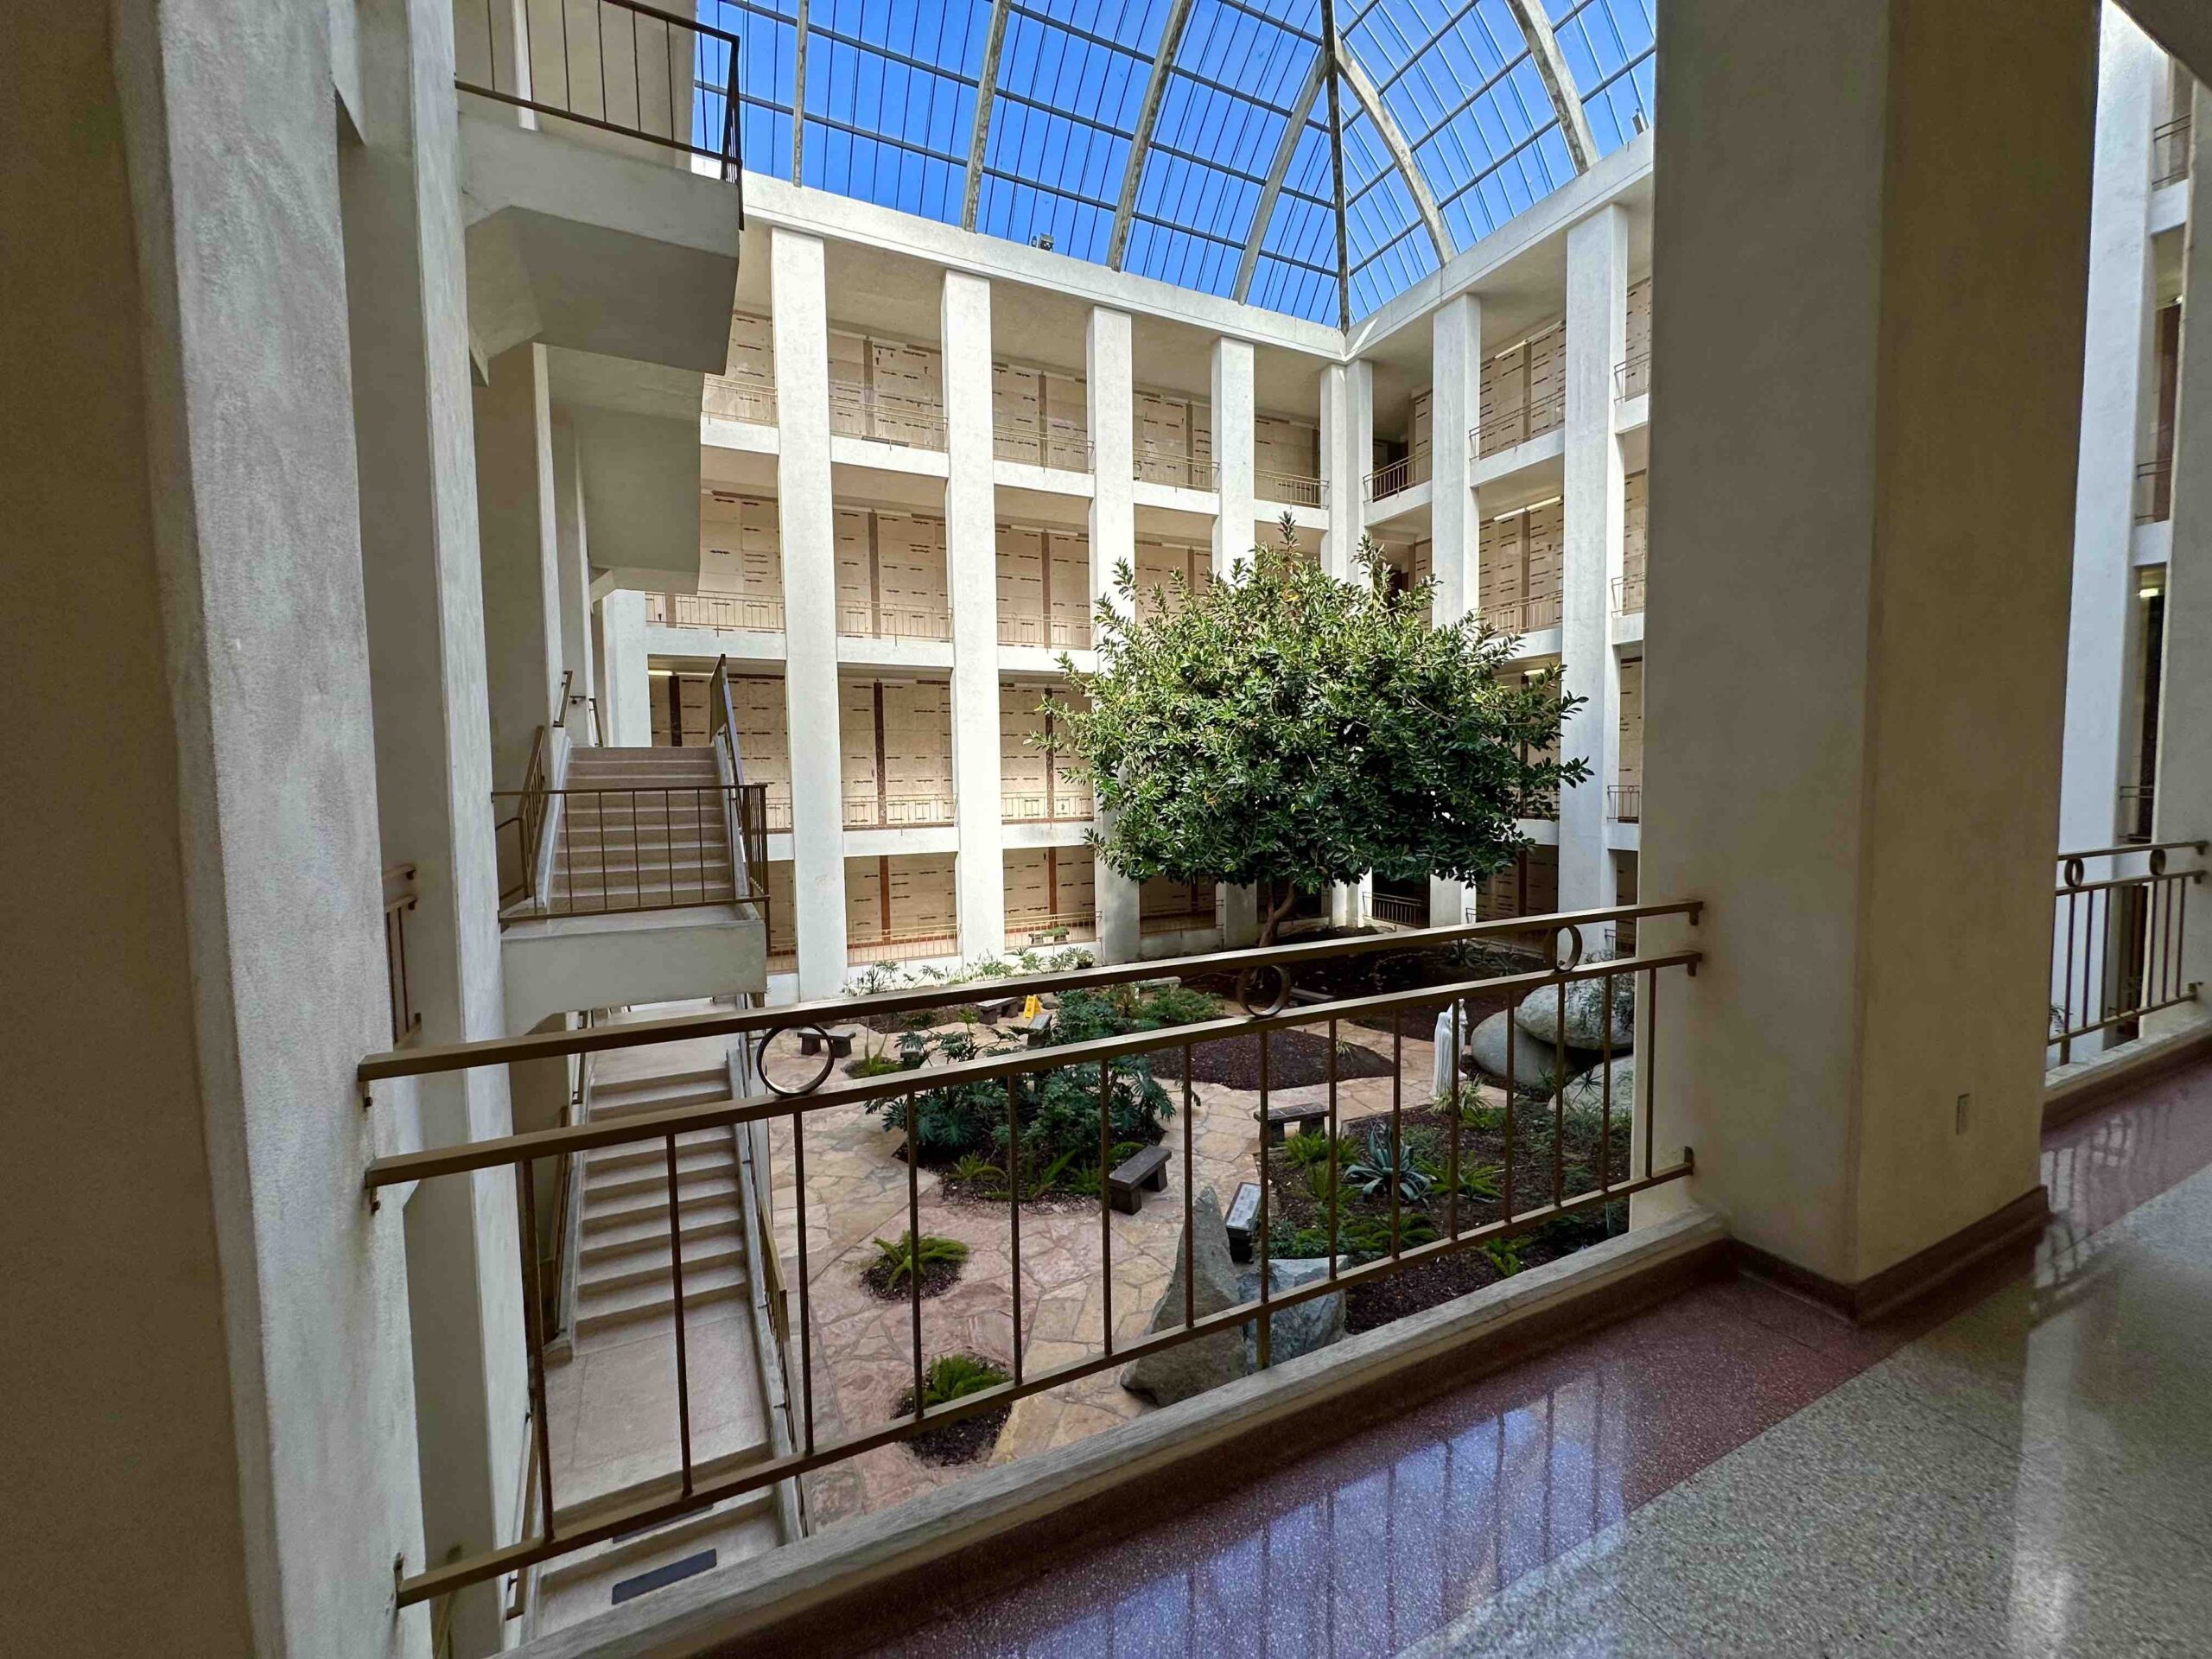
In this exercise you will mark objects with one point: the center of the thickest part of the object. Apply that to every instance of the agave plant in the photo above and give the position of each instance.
(1382, 1167)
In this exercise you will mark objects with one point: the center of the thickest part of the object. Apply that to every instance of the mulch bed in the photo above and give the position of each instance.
(1295, 1060)
(992, 1194)
(937, 1277)
(968, 1441)
(1440, 1279)
(1381, 972)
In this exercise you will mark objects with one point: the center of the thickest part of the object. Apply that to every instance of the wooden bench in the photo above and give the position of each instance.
(1146, 1171)
(1243, 1216)
(1280, 1118)
(840, 1038)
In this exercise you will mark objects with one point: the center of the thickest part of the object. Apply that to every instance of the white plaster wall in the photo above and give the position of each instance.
(808, 539)
(1596, 339)
(1239, 907)
(515, 527)
(624, 684)
(1109, 387)
(971, 580)
(1455, 333)
(573, 548)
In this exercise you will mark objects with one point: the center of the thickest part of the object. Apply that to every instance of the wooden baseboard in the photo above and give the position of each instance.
(1897, 1287)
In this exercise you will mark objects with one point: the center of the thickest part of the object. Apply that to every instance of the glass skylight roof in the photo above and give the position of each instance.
(1022, 118)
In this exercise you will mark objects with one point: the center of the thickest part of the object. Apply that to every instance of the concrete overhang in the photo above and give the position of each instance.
(563, 963)
(575, 243)
(637, 426)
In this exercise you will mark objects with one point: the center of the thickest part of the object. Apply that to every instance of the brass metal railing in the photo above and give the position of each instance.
(1546, 414)
(400, 899)
(1297, 488)
(1469, 1207)
(1074, 927)
(1056, 632)
(725, 613)
(1400, 474)
(2117, 938)
(1523, 616)
(901, 944)
(914, 419)
(1062, 451)
(2169, 147)
(1400, 911)
(2154, 490)
(868, 809)
(1632, 376)
(618, 66)
(877, 621)
(1627, 594)
(2135, 802)
(741, 397)
(1183, 472)
(625, 849)
(1059, 804)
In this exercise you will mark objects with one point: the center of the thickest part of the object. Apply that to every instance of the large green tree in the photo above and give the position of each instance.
(1285, 726)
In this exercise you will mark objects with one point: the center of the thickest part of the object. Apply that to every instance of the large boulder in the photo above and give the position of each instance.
(1587, 1095)
(1536, 1065)
(1192, 1368)
(1302, 1327)
(1539, 1014)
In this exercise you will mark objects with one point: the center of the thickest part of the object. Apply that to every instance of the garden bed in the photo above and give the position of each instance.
(1296, 1060)
(1381, 973)
(937, 1277)
(1299, 1214)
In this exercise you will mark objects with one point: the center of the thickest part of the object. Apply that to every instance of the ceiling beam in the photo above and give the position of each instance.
(987, 87)
(798, 99)
(1393, 141)
(1558, 83)
(1171, 36)
(1300, 108)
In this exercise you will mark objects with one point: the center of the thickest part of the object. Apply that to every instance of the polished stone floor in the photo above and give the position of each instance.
(2023, 1469)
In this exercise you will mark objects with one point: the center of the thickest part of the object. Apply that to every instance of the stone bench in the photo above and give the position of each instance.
(1280, 1118)
(840, 1038)
(1130, 1181)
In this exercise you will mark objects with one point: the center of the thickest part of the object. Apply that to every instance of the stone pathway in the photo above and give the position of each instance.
(863, 1346)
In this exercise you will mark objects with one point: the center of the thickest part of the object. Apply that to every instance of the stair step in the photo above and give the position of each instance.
(686, 863)
(654, 1152)
(597, 1309)
(613, 1097)
(622, 1209)
(611, 1240)
(648, 1263)
(651, 1175)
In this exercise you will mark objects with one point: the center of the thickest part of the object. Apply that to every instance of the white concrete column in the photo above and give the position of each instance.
(2116, 384)
(972, 583)
(574, 552)
(1233, 530)
(1593, 510)
(2183, 802)
(624, 684)
(1853, 734)
(1347, 434)
(423, 584)
(1456, 353)
(804, 506)
(1110, 390)
(522, 585)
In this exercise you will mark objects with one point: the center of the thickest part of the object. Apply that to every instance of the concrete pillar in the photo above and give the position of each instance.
(803, 503)
(423, 584)
(2183, 802)
(522, 586)
(1456, 349)
(972, 583)
(1596, 339)
(2116, 374)
(574, 552)
(624, 684)
(1347, 436)
(1110, 390)
(1862, 505)
(1233, 530)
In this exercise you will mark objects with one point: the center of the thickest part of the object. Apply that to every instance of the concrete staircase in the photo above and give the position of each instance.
(619, 1372)
(657, 837)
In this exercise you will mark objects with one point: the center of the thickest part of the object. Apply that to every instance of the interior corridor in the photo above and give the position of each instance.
(2018, 1469)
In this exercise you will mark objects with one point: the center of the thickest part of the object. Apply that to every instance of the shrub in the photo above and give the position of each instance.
(872, 1065)
(1167, 1005)
(898, 1261)
(978, 1171)
(954, 1376)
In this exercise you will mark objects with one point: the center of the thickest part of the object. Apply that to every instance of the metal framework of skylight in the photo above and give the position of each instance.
(1188, 140)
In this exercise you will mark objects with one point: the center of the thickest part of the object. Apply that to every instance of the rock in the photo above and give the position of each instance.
(1533, 1063)
(1192, 1368)
(1538, 1014)
(1299, 1329)
(1585, 1096)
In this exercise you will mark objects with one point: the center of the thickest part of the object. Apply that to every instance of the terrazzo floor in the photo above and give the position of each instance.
(2024, 1468)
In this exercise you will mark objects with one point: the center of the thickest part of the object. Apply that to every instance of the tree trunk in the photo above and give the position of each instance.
(1274, 916)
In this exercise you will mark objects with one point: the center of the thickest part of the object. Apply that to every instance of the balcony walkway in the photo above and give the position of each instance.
(2021, 1469)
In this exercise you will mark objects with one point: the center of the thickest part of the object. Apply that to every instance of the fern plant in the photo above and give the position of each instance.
(896, 1261)
(955, 1376)
(978, 1171)
(1504, 1254)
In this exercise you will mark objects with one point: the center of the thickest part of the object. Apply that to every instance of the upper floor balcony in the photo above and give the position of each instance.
(911, 418)
(2170, 151)
(1399, 475)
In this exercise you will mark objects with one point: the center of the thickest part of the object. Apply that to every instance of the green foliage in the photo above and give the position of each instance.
(872, 1065)
(1366, 1239)
(978, 1171)
(1482, 1180)
(1283, 725)
(1307, 1150)
(1382, 1165)
(954, 1376)
(1474, 1112)
(1059, 1108)
(896, 1261)
(1504, 1254)
(1167, 1005)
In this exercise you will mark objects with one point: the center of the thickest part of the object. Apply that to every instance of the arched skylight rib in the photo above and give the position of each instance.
(1608, 45)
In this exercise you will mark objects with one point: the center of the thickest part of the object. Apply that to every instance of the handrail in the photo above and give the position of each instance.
(1300, 489)
(399, 898)
(843, 1010)
(2119, 945)
(691, 93)
(562, 698)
